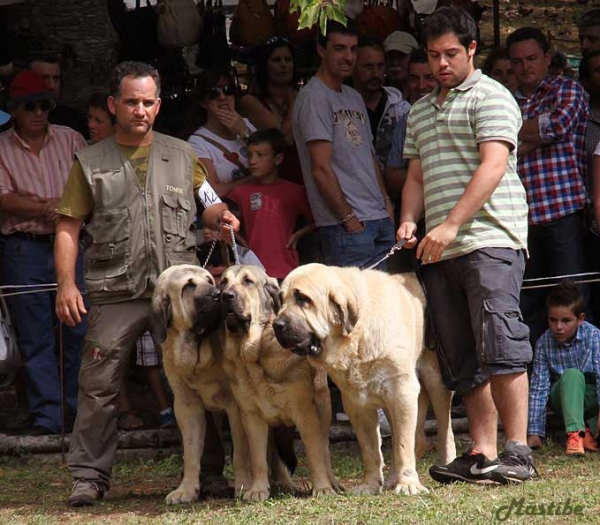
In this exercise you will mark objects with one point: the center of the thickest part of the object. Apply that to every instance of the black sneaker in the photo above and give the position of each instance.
(471, 467)
(516, 464)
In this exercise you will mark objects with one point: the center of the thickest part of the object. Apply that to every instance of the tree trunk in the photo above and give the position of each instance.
(80, 33)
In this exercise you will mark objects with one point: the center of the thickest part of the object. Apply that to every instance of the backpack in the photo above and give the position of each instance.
(179, 23)
(10, 360)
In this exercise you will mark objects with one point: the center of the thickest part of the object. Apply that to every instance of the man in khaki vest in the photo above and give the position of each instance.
(135, 195)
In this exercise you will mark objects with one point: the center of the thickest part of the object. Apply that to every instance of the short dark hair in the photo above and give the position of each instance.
(335, 27)
(589, 18)
(498, 53)
(567, 294)
(450, 20)
(271, 136)
(371, 41)
(418, 56)
(133, 69)
(98, 100)
(585, 72)
(45, 57)
(527, 33)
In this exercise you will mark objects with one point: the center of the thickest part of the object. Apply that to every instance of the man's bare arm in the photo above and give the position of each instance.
(69, 301)
(327, 183)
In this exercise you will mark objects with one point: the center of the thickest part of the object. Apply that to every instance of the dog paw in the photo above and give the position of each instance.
(324, 491)
(256, 495)
(366, 490)
(182, 496)
(410, 488)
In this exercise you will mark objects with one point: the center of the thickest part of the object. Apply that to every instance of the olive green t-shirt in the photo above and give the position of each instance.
(77, 200)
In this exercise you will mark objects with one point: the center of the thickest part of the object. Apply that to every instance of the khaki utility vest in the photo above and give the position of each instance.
(135, 233)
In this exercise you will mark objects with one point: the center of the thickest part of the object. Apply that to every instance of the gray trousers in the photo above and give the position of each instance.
(113, 330)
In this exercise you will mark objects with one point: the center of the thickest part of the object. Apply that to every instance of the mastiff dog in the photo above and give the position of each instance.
(273, 387)
(187, 324)
(366, 329)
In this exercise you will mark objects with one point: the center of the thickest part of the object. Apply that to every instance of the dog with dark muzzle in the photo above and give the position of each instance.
(366, 328)
(188, 326)
(272, 386)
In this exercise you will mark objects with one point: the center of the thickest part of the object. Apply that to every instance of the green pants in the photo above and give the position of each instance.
(575, 401)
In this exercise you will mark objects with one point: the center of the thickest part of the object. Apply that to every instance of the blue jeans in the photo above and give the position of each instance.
(362, 249)
(555, 248)
(34, 320)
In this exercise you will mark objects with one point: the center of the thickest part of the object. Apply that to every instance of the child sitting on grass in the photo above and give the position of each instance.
(566, 369)
(270, 207)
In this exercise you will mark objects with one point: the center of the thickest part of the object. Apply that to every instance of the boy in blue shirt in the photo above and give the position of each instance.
(566, 369)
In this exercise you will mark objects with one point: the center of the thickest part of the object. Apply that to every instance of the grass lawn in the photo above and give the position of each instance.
(35, 493)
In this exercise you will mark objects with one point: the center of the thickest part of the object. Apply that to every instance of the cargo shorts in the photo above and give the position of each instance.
(474, 306)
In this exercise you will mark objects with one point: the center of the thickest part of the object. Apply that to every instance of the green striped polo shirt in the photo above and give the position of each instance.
(445, 139)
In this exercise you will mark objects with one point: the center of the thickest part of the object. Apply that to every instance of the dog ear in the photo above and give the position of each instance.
(272, 290)
(345, 308)
(161, 318)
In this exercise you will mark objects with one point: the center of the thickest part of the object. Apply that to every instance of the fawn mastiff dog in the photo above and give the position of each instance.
(366, 329)
(272, 386)
(187, 324)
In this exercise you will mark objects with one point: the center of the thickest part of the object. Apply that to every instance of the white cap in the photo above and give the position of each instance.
(400, 41)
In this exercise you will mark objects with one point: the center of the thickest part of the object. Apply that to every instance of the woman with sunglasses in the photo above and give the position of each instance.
(270, 101)
(220, 133)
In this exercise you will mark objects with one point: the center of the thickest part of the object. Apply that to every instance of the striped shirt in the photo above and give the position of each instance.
(38, 176)
(554, 173)
(553, 358)
(446, 139)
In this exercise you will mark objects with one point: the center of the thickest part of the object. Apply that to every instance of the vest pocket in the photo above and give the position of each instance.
(107, 259)
(175, 216)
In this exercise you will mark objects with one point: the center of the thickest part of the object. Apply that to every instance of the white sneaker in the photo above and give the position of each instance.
(384, 425)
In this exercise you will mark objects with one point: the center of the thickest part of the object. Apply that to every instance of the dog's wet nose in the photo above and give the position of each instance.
(228, 295)
(279, 324)
(216, 294)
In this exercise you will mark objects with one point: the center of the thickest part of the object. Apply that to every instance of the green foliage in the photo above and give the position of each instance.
(318, 12)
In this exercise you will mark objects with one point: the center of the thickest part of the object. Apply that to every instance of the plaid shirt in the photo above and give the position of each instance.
(554, 173)
(553, 358)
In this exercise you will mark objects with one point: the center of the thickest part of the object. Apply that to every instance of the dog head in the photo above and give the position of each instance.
(185, 299)
(316, 304)
(248, 296)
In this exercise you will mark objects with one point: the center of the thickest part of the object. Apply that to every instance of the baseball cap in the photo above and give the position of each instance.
(28, 86)
(4, 118)
(400, 41)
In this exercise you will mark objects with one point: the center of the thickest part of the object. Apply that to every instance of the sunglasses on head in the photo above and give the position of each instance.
(42, 105)
(228, 90)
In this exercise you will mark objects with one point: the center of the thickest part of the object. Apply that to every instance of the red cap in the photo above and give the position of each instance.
(28, 86)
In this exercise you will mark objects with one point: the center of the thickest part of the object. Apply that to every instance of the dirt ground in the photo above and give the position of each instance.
(555, 17)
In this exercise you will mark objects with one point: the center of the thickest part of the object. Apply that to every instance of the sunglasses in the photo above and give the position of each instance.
(42, 105)
(277, 39)
(228, 90)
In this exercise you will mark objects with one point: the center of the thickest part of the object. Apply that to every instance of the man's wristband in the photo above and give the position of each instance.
(348, 217)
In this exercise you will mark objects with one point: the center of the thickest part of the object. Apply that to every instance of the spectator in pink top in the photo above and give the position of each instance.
(35, 159)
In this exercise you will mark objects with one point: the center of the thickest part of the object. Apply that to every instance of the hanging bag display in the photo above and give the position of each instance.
(179, 23)
(213, 50)
(252, 24)
(138, 33)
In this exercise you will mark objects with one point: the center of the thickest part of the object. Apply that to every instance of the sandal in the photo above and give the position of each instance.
(129, 421)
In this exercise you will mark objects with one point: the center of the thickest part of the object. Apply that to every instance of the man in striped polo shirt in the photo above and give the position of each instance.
(461, 142)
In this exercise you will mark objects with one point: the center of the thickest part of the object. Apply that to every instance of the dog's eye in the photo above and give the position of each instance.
(188, 287)
(301, 299)
(246, 281)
